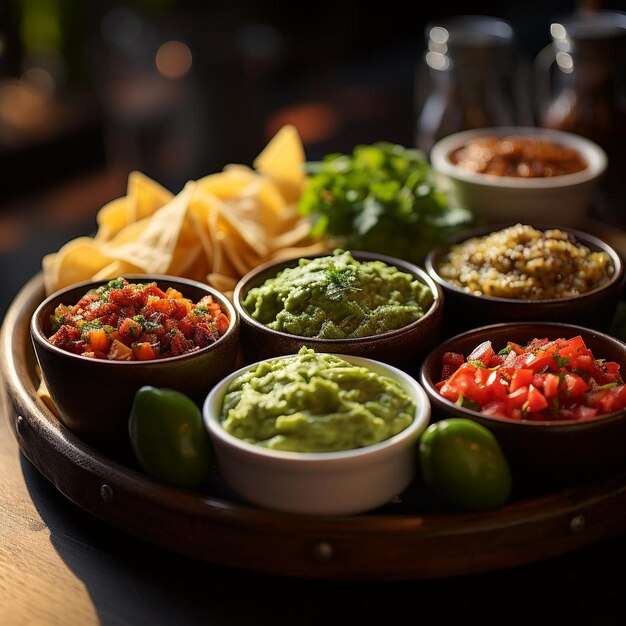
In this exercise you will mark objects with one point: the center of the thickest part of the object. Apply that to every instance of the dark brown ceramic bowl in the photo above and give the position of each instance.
(542, 454)
(402, 348)
(465, 310)
(94, 396)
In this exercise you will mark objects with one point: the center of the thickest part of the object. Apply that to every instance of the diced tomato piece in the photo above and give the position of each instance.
(574, 385)
(143, 351)
(550, 385)
(481, 376)
(130, 330)
(483, 353)
(463, 383)
(187, 326)
(173, 293)
(521, 378)
(573, 347)
(97, 340)
(450, 362)
(607, 372)
(539, 361)
(152, 290)
(496, 360)
(517, 398)
(495, 385)
(583, 363)
(516, 348)
(222, 323)
(607, 400)
(536, 400)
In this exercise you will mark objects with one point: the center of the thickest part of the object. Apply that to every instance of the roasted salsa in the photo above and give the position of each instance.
(543, 380)
(124, 321)
(518, 155)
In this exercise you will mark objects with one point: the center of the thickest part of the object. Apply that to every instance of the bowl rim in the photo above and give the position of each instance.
(39, 338)
(419, 272)
(481, 331)
(593, 153)
(410, 384)
(583, 237)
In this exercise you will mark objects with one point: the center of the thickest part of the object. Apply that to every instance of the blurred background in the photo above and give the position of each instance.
(177, 89)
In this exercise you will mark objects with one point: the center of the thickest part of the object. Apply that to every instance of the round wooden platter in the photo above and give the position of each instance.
(401, 541)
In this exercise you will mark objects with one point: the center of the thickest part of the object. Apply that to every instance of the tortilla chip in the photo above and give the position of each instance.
(145, 196)
(112, 218)
(76, 261)
(215, 230)
(153, 250)
(283, 161)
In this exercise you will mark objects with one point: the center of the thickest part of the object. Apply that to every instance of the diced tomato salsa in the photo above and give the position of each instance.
(125, 321)
(543, 380)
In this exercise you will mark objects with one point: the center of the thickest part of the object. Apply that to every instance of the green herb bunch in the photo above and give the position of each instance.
(381, 198)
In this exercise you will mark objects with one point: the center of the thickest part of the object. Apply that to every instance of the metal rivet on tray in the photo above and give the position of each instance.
(106, 493)
(323, 551)
(577, 523)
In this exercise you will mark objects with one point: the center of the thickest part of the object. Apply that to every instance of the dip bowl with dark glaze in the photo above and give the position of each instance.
(542, 454)
(401, 347)
(465, 309)
(93, 396)
(534, 193)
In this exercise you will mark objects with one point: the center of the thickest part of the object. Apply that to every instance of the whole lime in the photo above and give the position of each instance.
(463, 465)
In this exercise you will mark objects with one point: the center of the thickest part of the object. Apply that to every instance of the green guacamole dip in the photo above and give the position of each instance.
(312, 402)
(338, 297)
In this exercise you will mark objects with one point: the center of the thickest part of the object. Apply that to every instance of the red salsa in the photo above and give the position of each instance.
(544, 380)
(125, 321)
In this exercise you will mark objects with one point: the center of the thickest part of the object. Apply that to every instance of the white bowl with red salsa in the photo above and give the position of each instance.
(98, 342)
(552, 394)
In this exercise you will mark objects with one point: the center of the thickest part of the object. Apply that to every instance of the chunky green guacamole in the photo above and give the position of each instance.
(338, 297)
(312, 402)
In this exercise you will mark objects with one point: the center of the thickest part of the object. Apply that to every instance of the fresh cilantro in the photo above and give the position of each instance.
(383, 198)
(89, 326)
(607, 386)
(145, 324)
(561, 361)
(505, 351)
(468, 403)
(479, 364)
(555, 405)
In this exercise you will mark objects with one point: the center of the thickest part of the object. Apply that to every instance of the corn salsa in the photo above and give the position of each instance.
(125, 321)
(525, 263)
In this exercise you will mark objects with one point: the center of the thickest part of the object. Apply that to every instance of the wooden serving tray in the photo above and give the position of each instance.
(404, 540)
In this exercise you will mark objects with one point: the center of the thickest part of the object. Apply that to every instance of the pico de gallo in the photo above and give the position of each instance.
(124, 321)
(543, 380)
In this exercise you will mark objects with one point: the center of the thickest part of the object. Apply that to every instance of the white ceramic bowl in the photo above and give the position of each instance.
(561, 199)
(324, 483)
